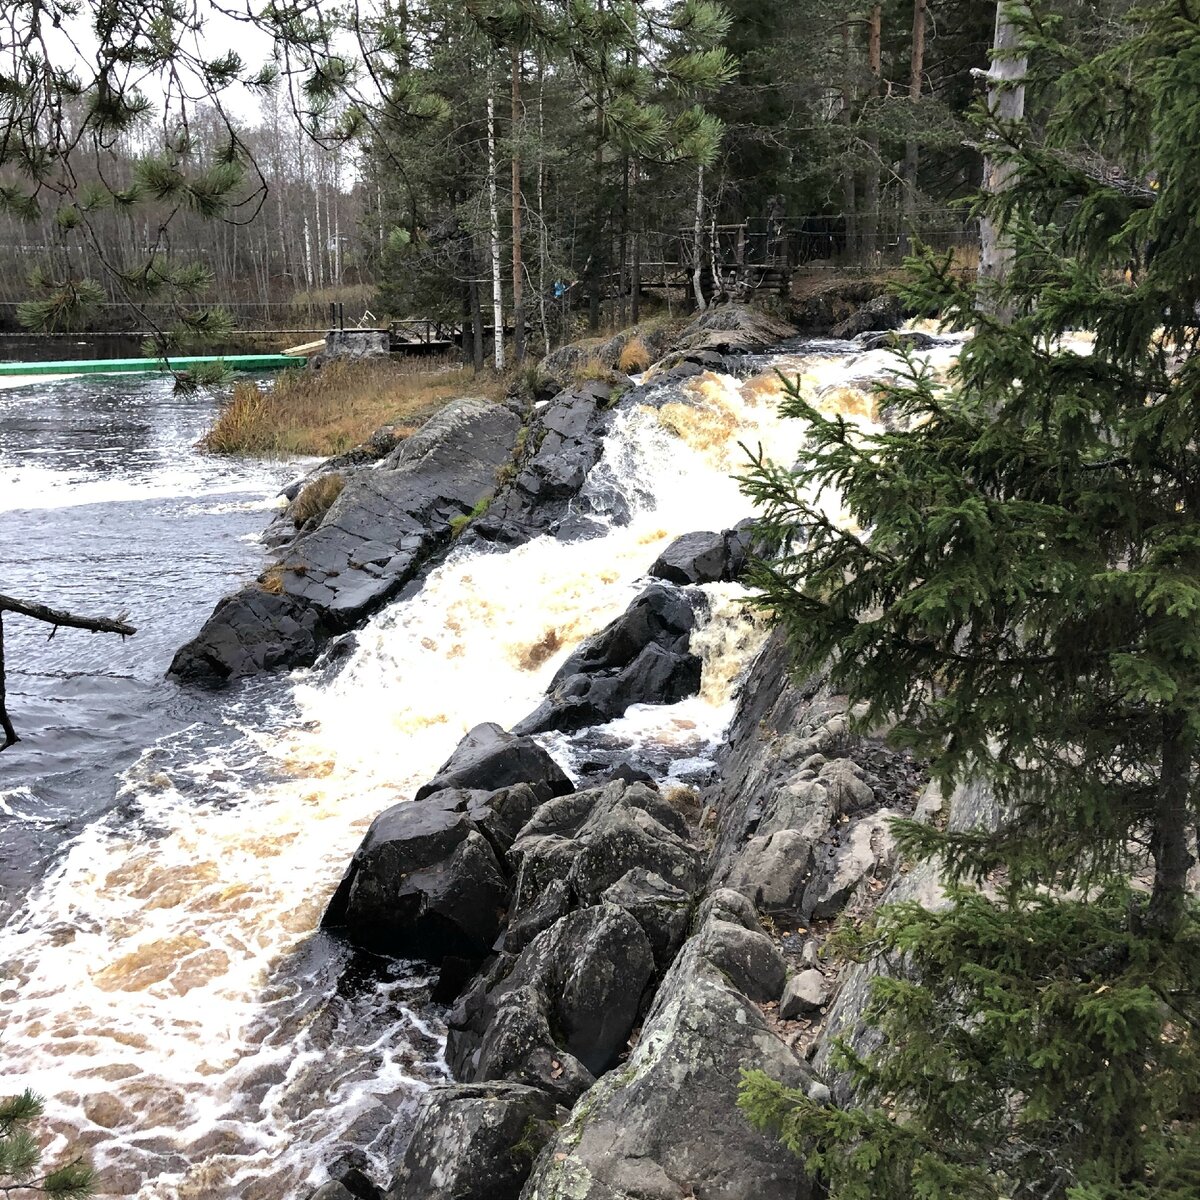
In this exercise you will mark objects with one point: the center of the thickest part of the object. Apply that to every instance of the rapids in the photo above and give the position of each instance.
(165, 983)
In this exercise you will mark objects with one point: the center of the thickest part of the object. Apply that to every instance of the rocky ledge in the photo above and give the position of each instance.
(492, 474)
(615, 955)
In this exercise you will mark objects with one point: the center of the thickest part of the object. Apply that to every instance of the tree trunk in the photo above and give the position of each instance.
(518, 268)
(698, 243)
(476, 312)
(1006, 102)
(1172, 859)
(849, 183)
(494, 232)
(875, 62)
(911, 147)
(543, 250)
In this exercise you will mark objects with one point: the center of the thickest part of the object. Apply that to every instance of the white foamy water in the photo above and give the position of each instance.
(165, 985)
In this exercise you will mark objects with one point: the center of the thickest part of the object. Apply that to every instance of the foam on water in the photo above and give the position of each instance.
(166, 986)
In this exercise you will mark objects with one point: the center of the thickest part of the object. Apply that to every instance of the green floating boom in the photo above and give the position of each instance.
(151, 366)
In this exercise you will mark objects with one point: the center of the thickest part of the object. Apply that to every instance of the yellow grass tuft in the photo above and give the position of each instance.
(316, 498)
(635, 356)
(327, 411)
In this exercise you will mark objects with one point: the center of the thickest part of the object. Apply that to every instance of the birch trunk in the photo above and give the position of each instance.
(518, 266)
(698, 243)
(494, 232)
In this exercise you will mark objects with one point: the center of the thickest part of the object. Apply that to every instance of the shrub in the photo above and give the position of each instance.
(635, 357)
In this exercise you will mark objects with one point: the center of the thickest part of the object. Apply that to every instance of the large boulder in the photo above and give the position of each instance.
(251, 631)
(560, 1013)
(474, 1141)
(880, 313)
(425, 881)
(489, 757)
(667, 1123)
(386, 523)
(703, 557)
(590, 840)
(642, 657)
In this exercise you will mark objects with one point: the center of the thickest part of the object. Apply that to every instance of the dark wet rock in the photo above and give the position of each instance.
(599, 775)
(659, 907)
(474, 1141)
(591, 839)
(909, 339)
(424, 883)
(666, 1124)
(333, 1190)
(552, 903)
(249, 632)
(561, 444)
(881, 313)
(561, 1013)
(381, 530)
(803, 994)
(642, 657)
(489, 757)
(703, 557)
(733, 329)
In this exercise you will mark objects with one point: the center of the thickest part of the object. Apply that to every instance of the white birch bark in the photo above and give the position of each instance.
(494, 231)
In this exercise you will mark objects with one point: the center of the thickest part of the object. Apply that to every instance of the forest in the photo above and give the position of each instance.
(501, 158)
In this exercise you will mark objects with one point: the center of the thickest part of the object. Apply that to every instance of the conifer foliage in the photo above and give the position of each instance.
(22, 1172)
(1018, 591)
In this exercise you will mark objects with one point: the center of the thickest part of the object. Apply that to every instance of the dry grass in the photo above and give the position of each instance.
(316, 498)
(327, 411)
(635, 356)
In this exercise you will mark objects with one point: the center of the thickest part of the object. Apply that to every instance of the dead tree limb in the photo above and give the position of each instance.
(57, 618)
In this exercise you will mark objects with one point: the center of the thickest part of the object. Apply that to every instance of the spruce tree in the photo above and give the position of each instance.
(1018, 593)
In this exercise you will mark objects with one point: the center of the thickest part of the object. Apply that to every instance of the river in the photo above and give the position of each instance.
(167, 853)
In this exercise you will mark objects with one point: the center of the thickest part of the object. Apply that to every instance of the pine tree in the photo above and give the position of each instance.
(21, 1168)
(1018, 592)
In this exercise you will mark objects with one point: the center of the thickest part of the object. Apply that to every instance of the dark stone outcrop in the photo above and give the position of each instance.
(488, 757)
(387, 522)
(880, 313)
(667, 1124)
(562, 443)
(659, 907)
(249, 632)
(474, 1141)
(589, 840)
(640, 658)
(425, 883)
(703, 557)
(557, 1015)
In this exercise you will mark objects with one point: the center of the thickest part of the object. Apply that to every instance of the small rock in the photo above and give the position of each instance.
(802, 994)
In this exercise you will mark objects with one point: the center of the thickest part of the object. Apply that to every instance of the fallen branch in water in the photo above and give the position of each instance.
(57, 618)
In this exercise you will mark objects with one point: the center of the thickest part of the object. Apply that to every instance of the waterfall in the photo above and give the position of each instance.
(166, 986)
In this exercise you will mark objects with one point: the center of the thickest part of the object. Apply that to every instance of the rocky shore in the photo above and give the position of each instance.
(613, 952)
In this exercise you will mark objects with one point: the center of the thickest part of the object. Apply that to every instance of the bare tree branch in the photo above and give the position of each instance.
(57, 618)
